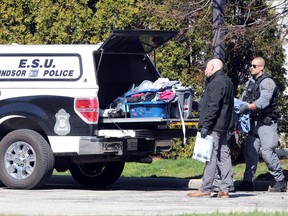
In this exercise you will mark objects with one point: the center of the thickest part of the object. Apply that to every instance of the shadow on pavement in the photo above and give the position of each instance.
(268, 177)
(262, 183)
(123, 183)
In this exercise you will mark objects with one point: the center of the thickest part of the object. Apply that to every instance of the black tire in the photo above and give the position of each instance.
(94, 175)
(26, 160)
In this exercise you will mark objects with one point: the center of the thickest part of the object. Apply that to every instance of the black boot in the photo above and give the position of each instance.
(279, 187)
(245, 186)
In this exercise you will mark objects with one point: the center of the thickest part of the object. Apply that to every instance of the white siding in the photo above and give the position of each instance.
(283, 24)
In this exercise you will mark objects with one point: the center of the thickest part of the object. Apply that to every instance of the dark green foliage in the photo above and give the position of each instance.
(180, 150)
(45, 22)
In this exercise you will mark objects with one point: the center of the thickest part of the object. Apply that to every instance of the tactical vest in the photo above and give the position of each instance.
(253, 93)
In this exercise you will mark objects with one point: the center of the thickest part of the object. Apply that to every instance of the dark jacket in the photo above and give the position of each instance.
(217, 104)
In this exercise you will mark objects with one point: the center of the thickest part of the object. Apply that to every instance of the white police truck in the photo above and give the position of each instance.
(50, 100)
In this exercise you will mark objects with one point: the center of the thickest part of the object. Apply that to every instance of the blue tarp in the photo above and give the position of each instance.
(243, 120)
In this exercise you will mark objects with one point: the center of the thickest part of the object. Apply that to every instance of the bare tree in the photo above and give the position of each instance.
(240, 16)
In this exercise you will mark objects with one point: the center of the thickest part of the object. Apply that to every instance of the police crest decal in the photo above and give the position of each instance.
(62, 125)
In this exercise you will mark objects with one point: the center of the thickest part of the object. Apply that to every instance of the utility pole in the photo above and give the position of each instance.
(218, 44)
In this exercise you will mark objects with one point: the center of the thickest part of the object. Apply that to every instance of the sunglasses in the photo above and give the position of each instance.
(254, 66)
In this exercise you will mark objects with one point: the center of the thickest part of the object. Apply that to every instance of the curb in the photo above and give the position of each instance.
(282, 153)
(194, 183)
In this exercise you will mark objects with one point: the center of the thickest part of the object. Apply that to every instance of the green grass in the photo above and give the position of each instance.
(181, 168)
(184, 168)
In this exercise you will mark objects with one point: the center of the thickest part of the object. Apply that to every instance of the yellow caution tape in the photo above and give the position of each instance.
(186, 123)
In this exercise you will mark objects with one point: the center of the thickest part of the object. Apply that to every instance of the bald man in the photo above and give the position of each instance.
(216, 119)
(261, 94)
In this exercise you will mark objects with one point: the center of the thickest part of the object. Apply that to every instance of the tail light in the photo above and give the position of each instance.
(87, 109)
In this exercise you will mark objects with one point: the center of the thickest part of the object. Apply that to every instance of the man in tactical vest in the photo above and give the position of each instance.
(261, 95)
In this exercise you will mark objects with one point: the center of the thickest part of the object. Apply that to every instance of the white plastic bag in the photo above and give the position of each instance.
(160, 82)
(146, 84)
(203, 148)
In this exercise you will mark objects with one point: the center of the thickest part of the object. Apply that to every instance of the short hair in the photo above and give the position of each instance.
(260, 59)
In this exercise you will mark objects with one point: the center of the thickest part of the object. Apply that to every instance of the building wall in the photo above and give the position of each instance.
(280, 6)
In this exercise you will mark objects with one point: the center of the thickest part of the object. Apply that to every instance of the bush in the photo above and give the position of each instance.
(180, 150)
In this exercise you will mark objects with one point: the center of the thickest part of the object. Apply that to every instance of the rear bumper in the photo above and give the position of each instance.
(92, 145)
(118, 142)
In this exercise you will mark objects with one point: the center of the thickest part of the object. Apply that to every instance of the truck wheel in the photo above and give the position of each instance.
(93, 175)
(26, 160)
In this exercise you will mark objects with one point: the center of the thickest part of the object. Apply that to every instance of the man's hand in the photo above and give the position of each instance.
(229, 135)
(203, 132)
(243, 108)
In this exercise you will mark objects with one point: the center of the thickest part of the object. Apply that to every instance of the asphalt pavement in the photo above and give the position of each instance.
(136, 196)
(133, 196)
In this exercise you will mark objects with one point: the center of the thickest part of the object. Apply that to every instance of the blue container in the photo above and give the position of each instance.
(149, 109)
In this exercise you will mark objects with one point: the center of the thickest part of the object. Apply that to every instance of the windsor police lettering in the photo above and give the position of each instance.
(12, 73)
(42, 67)
(58, 73)
(46, 63)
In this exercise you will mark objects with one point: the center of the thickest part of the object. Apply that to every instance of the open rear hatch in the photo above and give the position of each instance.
(122, 61)
(136, 41)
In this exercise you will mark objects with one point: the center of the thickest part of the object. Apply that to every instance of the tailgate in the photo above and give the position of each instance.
(156, 127)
